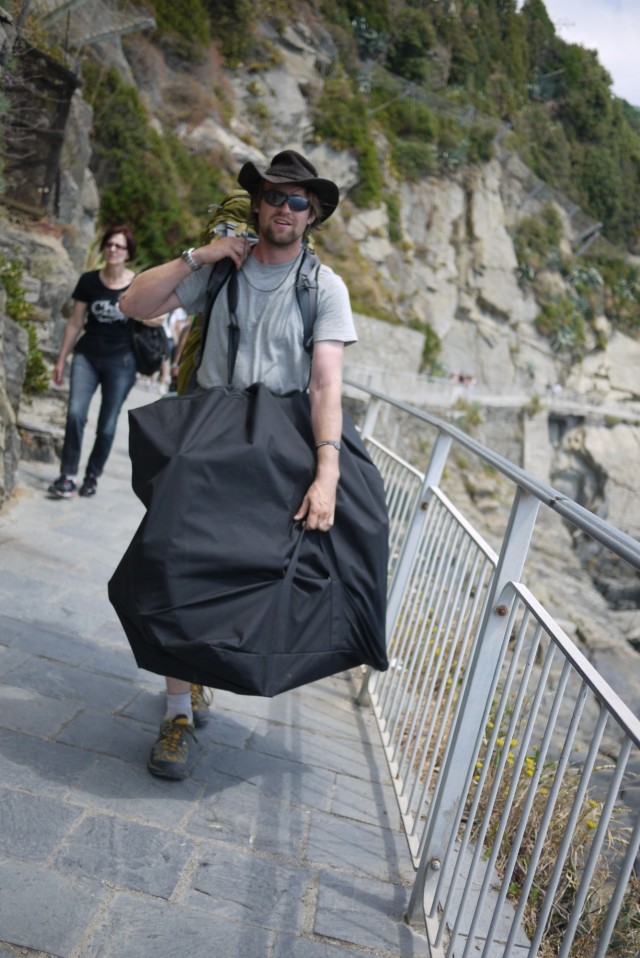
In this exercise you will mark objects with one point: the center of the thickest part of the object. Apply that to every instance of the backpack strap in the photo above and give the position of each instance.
(307, 293)
(219, 276)
(233, 327)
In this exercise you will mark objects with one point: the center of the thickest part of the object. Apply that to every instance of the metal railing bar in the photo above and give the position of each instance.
(446, 712)
(412, 541)
(471, 815)
(442, 497)
(425, 563)
(375, 444)
(533, 788)
(628, 722)
(495, 789)
(572, 820)
(401, 634)
(454, 642)
(596, 845)
(438, 504)
(617, 898)
(487, 656)
(400, 508)
(450, 652)
(595, 527)
(531, 792)
(370, 418)
(425, 660)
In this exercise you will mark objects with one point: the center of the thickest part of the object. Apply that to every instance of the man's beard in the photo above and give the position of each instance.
(277, 237)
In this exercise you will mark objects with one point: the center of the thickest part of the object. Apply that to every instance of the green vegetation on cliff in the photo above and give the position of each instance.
(145, 179)
(437, 79)
(440, 78)
(36, 378)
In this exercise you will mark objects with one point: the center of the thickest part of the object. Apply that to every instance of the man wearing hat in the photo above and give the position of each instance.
(288, 199)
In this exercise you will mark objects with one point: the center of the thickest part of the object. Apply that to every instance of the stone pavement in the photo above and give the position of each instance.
(284, 843)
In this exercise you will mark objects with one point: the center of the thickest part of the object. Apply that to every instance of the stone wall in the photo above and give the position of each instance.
(13, 361)
(52, 252)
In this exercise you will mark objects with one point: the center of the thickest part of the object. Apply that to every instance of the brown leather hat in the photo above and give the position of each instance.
(292, 167)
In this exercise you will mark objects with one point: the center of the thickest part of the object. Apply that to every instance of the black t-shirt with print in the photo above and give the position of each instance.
(107, 330)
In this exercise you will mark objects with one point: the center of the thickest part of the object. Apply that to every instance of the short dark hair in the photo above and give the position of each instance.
(128, 235)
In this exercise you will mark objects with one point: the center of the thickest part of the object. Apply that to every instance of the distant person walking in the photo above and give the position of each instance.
(100, 337)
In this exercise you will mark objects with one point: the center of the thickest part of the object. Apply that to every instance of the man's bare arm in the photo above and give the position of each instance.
(325, 391)
(153, 292)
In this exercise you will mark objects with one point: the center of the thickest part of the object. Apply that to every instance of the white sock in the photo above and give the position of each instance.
(179, 704)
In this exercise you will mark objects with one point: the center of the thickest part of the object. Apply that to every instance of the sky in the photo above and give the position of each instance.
(612, 27)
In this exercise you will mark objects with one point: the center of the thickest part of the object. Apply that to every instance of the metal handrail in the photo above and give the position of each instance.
(595, 527)
(477, 662)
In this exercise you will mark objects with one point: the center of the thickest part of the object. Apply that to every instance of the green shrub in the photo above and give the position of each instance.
(533, 407)
(37, 375)
(543, 144)
(186, 21)
(234, 29)
(431, 347)
(342, 120)
(410, 118)
(564, 326)
(468, 415)
(622, 295)
(481, 144)
(411, 36)
(146, 180)
(392, 202)
(537, 236)
(414, 160)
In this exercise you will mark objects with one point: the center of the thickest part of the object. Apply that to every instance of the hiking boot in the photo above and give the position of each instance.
(169, 756)
(63, 488)
(201, 699)
(89, 486)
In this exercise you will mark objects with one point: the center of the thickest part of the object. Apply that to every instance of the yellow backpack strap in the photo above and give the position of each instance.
(194, 346)
(189, 354)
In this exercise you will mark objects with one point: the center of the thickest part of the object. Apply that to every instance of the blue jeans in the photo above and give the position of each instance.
(115, 375)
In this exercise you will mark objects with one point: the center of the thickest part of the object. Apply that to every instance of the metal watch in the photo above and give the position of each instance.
(187, 256)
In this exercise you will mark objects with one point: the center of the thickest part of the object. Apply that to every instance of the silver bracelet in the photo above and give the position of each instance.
(193, 264)
(329, 442)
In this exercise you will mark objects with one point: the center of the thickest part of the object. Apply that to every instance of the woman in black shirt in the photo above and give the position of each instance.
(100, 336)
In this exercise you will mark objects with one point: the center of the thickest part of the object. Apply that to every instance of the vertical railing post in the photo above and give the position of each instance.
(411, 542)
(370, 417)
(445, 803)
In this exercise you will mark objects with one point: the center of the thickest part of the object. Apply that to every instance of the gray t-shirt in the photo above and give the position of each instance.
(271, 348)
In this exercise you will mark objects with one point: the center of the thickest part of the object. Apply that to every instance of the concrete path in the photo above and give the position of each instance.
(284, 843)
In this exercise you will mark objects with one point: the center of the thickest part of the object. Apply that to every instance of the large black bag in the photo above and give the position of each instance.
(219, 586)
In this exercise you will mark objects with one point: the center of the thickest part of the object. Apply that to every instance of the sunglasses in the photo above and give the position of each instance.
(297, 204)
(113, 246)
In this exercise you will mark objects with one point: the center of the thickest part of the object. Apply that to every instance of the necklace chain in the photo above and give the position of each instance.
(270, 289)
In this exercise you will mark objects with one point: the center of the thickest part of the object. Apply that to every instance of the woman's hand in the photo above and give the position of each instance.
(57, 374)
(71, 335)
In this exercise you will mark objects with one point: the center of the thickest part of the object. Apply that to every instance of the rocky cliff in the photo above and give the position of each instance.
(452, 268)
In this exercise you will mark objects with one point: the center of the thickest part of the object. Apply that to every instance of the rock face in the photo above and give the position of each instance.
(453, 268)
(51, 254)
(13, 362)
(459, 275)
